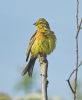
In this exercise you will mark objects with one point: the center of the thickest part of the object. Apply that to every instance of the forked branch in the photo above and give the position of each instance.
(79, 27)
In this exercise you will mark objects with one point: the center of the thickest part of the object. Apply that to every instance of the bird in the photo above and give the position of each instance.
(43, 41)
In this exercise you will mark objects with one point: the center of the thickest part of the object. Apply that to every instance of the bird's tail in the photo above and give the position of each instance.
(29, 67)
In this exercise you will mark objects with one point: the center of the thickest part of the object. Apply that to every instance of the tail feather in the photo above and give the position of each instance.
(29, 67)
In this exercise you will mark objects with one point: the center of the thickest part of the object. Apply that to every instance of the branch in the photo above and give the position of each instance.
(68, 80)
(77, 53)
(81, 24)
(43, 69)
(70, 86)
(74, 70)
(79, 28)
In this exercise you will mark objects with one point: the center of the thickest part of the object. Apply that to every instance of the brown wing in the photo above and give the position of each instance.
(30, 45)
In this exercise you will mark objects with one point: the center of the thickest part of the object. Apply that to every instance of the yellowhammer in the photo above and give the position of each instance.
(42, 42)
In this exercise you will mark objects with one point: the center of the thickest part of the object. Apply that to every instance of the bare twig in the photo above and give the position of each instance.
(77, 13)
(81, 24)
(74, 91)
(43, 69)
(77, 56)
(80, 64)
(74, 70)
(69, 83)
(79, 28)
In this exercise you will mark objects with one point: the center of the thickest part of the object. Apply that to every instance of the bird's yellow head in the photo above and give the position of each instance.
(41, 23)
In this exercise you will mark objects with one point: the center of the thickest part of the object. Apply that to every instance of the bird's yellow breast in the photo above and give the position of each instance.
(44, 43)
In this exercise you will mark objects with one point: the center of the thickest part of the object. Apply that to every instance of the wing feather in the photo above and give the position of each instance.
(30, 45)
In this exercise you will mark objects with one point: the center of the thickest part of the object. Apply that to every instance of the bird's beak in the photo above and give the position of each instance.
(35, 24)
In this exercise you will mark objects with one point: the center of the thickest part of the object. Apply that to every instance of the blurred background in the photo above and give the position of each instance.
(16, 28)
